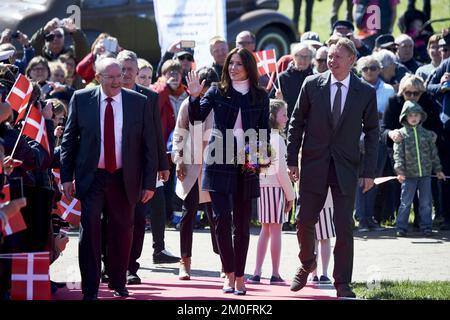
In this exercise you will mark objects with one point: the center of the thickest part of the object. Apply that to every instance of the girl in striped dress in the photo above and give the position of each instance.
(276, 197)
(324, 232)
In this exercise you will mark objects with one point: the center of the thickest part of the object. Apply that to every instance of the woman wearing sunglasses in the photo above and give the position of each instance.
(370, 69)
(411, 88)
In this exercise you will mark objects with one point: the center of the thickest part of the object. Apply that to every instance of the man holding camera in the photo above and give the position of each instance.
(49, 40)
(183, 51)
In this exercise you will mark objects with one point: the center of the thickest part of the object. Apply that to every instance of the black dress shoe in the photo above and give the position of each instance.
(90, 297)
(344, 291)
(133, 278)
(165, 257)
(300, 279)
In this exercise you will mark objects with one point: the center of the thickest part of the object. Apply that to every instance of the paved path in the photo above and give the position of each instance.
(377, 256)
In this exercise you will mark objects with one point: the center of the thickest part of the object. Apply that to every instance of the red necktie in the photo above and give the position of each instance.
(108, 137)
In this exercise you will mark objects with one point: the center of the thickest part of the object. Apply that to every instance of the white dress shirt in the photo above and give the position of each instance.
(118, 124)
(344, 90)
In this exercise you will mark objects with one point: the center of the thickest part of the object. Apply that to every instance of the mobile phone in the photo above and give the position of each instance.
(110, 44)
(15, 187)
(46, 89)
(187, 44)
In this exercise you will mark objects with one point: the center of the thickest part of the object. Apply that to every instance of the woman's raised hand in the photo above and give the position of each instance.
(194, 85)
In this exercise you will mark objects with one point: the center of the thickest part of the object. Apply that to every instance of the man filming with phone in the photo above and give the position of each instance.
(49, 40)
(183, 51)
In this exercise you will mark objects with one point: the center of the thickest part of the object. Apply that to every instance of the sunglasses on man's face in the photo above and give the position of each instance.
(186, 57)
(51, 36)
(371, 68)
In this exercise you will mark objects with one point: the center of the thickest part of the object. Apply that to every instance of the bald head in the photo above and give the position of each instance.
(247, 40)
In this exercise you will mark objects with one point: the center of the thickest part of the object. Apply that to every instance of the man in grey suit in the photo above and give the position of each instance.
(332, 110)
(109, 147)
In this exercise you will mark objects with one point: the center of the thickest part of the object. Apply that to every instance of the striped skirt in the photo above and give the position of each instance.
(325, 226)
(271, 205)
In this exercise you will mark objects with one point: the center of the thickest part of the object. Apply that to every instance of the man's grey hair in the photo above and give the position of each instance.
(385, 57)
(127, 55)
(399, 39)
(348, 45)
(321, 50)
(103, 63)
(300, 46)
(246, 33)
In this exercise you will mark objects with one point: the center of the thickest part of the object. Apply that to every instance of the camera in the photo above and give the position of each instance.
(187, 44)
(15, 35)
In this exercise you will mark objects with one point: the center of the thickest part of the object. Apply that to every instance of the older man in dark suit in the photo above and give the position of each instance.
(109, 146)
(332, 110)
(128, 62)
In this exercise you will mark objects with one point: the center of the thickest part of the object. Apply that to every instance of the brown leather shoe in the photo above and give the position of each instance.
(300, 279)
(185, 268)
(344, 291)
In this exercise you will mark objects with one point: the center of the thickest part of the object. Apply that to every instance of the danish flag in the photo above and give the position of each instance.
(266, 61)
(70, 210)
(34, 127)
(20, 93)
(30, 278)
(14, 224)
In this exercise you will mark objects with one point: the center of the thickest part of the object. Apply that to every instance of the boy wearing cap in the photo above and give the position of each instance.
(415, 157)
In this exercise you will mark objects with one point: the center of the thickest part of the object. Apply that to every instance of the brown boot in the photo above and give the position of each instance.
(185, 268)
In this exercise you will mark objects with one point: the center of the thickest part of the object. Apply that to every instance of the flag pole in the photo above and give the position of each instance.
(266, 71)
(276, 70)
(21, 131)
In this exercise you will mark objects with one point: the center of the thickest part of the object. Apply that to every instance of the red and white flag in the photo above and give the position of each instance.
(14, 224)
(30, 278)
(266, 61)
(34, 127)
(70, 210)
(20, 93)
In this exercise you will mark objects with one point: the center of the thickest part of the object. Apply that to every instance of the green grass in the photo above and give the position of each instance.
(321, 15)
(405, 290)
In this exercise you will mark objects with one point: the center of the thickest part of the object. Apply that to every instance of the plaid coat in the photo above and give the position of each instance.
(220, 174)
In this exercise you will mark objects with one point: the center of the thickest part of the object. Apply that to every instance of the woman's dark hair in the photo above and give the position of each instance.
(249, 63)
(209, 75)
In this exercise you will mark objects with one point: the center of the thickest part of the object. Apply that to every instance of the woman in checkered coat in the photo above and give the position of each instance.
(239, 105)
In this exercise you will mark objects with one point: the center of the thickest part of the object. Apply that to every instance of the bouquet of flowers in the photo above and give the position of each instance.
(256, 157)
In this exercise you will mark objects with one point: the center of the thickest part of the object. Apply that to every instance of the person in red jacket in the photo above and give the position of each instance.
(171, 94)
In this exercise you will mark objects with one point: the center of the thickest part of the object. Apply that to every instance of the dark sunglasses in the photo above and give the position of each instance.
(186, 57)
(371, 68)
(321, 60)
(412, 93)
(51, 36)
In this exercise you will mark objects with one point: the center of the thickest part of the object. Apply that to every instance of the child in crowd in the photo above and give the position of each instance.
(415, 157)
(276, 198)
(324, 232)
